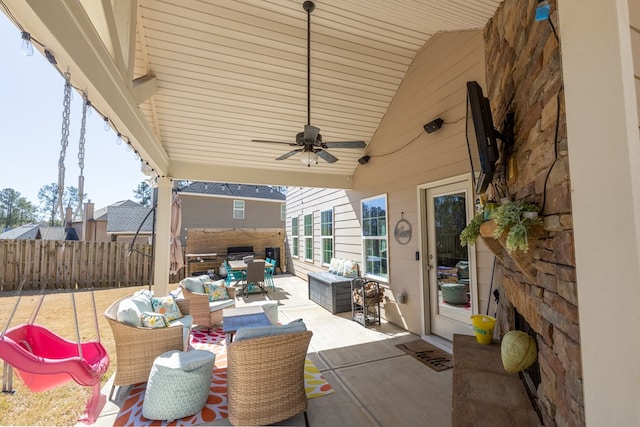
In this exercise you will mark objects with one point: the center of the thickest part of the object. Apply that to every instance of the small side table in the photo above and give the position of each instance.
(242, 317)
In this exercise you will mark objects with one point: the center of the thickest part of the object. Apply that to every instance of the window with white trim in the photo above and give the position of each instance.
(308, 237)
(238, 209)
(295, 240)
(283, 212)
(374, 237)
(326, 235)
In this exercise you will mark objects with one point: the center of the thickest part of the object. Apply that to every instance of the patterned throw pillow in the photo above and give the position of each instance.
(217, 291)
(167, 306)
(151, 319)
(333, 266)
(350, 269)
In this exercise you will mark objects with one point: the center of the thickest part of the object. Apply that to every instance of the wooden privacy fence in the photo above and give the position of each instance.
(58, 264)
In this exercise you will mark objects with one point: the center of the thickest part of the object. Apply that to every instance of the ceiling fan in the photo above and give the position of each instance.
(310, 141)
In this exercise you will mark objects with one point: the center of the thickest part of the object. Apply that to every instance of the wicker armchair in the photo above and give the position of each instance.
(137, 347)
(204, 312)
(265, 378)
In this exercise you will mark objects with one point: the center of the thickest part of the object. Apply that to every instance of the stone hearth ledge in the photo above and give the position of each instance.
(484, 394)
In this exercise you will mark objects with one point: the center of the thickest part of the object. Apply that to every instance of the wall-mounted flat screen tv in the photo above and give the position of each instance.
(483, 133)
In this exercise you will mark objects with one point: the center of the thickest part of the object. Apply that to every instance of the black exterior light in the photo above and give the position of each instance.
(364, 160)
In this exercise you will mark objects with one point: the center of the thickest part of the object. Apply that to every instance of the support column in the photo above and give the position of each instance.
(604, 160)
(163, 230)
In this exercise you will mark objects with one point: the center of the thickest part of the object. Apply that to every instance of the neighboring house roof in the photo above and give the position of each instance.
(245, 191)
(26, 231)
(34, 231)
(102, 213)
(125, 219)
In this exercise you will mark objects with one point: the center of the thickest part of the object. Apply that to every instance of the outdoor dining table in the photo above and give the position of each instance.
(239, 264)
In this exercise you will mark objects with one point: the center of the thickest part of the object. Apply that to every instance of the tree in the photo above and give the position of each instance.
(48, 196)
(8, 205)
(27, 212)
(143, 194)
(15, 210)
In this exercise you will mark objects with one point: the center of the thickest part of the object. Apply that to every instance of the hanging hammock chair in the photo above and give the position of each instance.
(42, 359)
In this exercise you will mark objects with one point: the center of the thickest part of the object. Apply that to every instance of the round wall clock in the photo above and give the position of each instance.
(402, 232)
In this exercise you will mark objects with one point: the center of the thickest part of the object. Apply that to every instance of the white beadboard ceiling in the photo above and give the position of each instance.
(223, 72)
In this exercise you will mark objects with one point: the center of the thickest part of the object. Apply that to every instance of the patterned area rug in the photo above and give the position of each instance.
(216, 407)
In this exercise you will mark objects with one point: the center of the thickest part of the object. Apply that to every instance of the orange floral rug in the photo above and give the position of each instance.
(216, 407)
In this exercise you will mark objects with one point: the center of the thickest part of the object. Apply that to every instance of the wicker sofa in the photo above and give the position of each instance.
(205, 312)
(138, 346)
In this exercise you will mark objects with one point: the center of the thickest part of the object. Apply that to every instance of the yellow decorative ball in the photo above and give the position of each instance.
(518, 351)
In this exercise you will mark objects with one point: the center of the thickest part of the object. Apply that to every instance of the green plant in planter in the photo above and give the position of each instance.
(470, 233)
(516, 218)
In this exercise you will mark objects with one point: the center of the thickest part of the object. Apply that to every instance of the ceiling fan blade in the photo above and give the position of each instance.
(326, 156)
(273, 142)
(311, 133)
(289, 154)
(345, 144)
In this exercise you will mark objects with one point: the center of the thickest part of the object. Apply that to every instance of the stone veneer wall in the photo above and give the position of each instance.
(524, 75)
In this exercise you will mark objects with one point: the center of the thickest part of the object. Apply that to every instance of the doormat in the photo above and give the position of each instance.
(429, 355)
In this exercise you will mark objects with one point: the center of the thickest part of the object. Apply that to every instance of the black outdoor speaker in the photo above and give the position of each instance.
(433, 125)
(364, 160)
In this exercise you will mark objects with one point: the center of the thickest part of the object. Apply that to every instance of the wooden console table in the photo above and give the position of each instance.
(196, 258)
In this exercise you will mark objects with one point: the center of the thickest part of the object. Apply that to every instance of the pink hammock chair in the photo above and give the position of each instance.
(44, 360)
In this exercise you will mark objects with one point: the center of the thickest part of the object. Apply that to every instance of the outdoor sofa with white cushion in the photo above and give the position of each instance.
(206, 299)
(143, 328)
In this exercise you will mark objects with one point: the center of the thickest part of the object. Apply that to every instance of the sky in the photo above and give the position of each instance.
(31, 95)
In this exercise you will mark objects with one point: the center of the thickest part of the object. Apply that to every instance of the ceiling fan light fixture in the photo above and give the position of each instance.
(308, 157)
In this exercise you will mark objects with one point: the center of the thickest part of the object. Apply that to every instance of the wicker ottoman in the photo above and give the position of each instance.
(178, 384)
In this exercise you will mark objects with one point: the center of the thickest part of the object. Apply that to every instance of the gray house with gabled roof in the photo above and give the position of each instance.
(223, 205)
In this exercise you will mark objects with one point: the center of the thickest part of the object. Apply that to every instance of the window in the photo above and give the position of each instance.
(283, 212)
(295, 243)
(326, 235)
(374, 237)
(238, 209)
(308, 237)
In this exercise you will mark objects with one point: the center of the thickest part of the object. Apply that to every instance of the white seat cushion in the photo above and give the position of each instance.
(220, 304)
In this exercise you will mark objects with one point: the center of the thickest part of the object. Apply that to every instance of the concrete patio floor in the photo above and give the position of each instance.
(375, 383)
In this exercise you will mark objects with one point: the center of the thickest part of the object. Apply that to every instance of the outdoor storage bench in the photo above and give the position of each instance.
(332, 289)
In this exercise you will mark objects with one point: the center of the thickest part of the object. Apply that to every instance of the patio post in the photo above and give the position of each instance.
(163, 233)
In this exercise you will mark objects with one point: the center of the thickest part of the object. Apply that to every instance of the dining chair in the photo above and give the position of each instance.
(232, 275)
(269, 272)
(254, 276)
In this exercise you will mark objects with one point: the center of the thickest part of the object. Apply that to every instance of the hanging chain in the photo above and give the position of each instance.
(83, 130)
(64, 141)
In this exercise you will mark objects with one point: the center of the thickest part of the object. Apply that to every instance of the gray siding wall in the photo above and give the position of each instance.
(217, 212)
(404, 156)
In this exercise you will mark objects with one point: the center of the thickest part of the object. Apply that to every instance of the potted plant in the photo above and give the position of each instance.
(516, 219)
(470, 233)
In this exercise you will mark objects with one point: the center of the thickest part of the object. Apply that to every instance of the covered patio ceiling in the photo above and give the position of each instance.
(191, 82)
